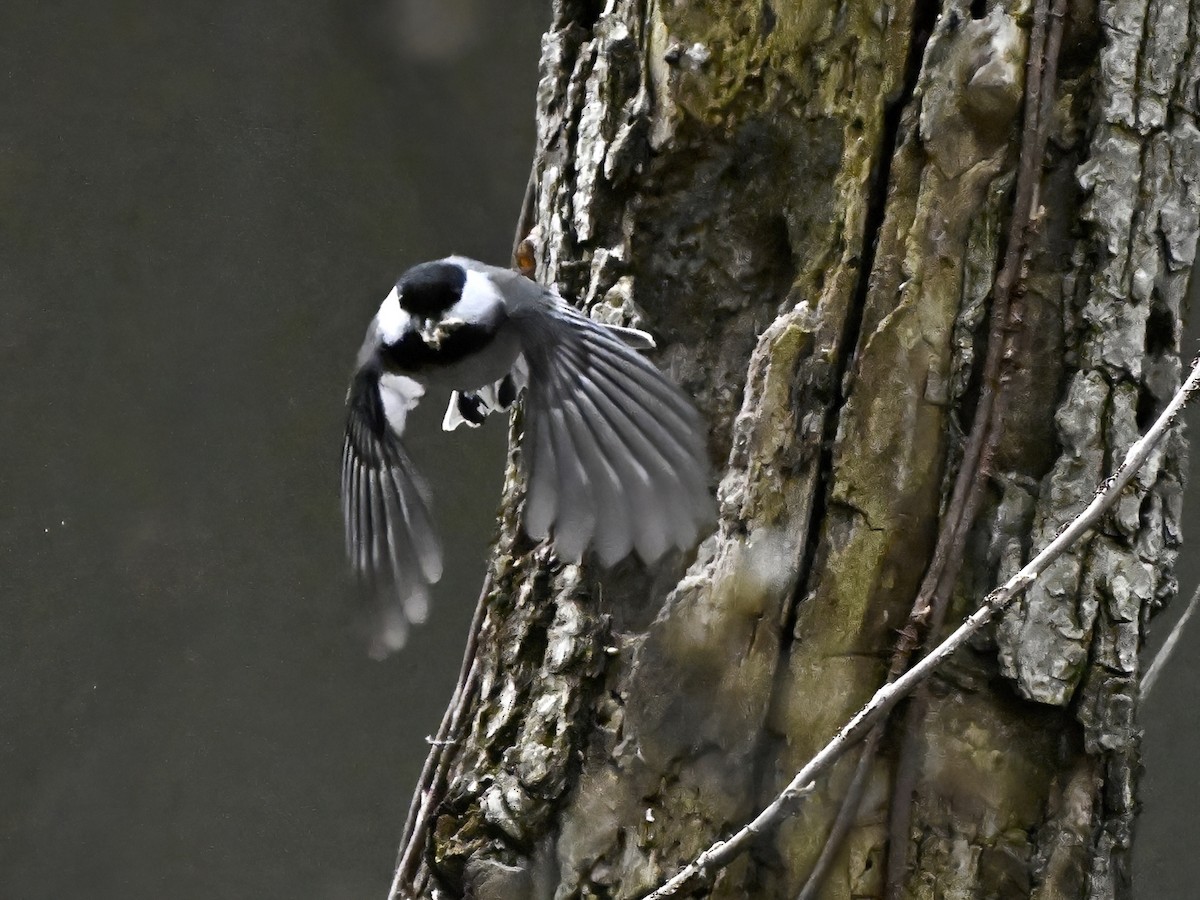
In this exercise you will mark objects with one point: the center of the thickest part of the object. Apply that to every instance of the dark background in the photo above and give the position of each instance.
(201, 206)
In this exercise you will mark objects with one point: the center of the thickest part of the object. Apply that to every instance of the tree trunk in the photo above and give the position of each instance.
(808, 204)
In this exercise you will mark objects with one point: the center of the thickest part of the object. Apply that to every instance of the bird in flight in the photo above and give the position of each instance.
(613, 453)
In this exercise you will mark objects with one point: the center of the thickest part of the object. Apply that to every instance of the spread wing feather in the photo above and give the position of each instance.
(615, 456)
(389, 532)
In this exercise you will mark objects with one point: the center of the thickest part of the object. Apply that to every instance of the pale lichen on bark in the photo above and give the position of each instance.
(805, 203)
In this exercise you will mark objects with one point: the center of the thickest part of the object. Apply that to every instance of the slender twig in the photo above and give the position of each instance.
(705, 867)
(968, 484)
(433, 773)
(1168, 648)
(968, 492)
(845, 817)
(987, 428)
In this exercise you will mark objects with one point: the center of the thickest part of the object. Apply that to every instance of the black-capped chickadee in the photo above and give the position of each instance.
(613, 453)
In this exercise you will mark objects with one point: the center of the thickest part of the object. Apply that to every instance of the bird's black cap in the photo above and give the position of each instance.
(431, 288)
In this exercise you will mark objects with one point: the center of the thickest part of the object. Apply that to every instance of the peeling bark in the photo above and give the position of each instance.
(806, 204)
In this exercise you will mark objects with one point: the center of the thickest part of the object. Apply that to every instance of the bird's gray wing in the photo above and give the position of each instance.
(614, 453)
(389, 532)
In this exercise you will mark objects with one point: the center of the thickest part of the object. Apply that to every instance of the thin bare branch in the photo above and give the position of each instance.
(433, 773)
(847, 813)
(705, 867)
(1164, 653)
(987, 427)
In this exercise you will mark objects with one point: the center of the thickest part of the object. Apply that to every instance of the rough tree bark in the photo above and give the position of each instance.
(807, 203)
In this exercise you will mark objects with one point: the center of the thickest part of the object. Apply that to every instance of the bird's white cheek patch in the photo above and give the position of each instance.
(391, 320)
(480, 302)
